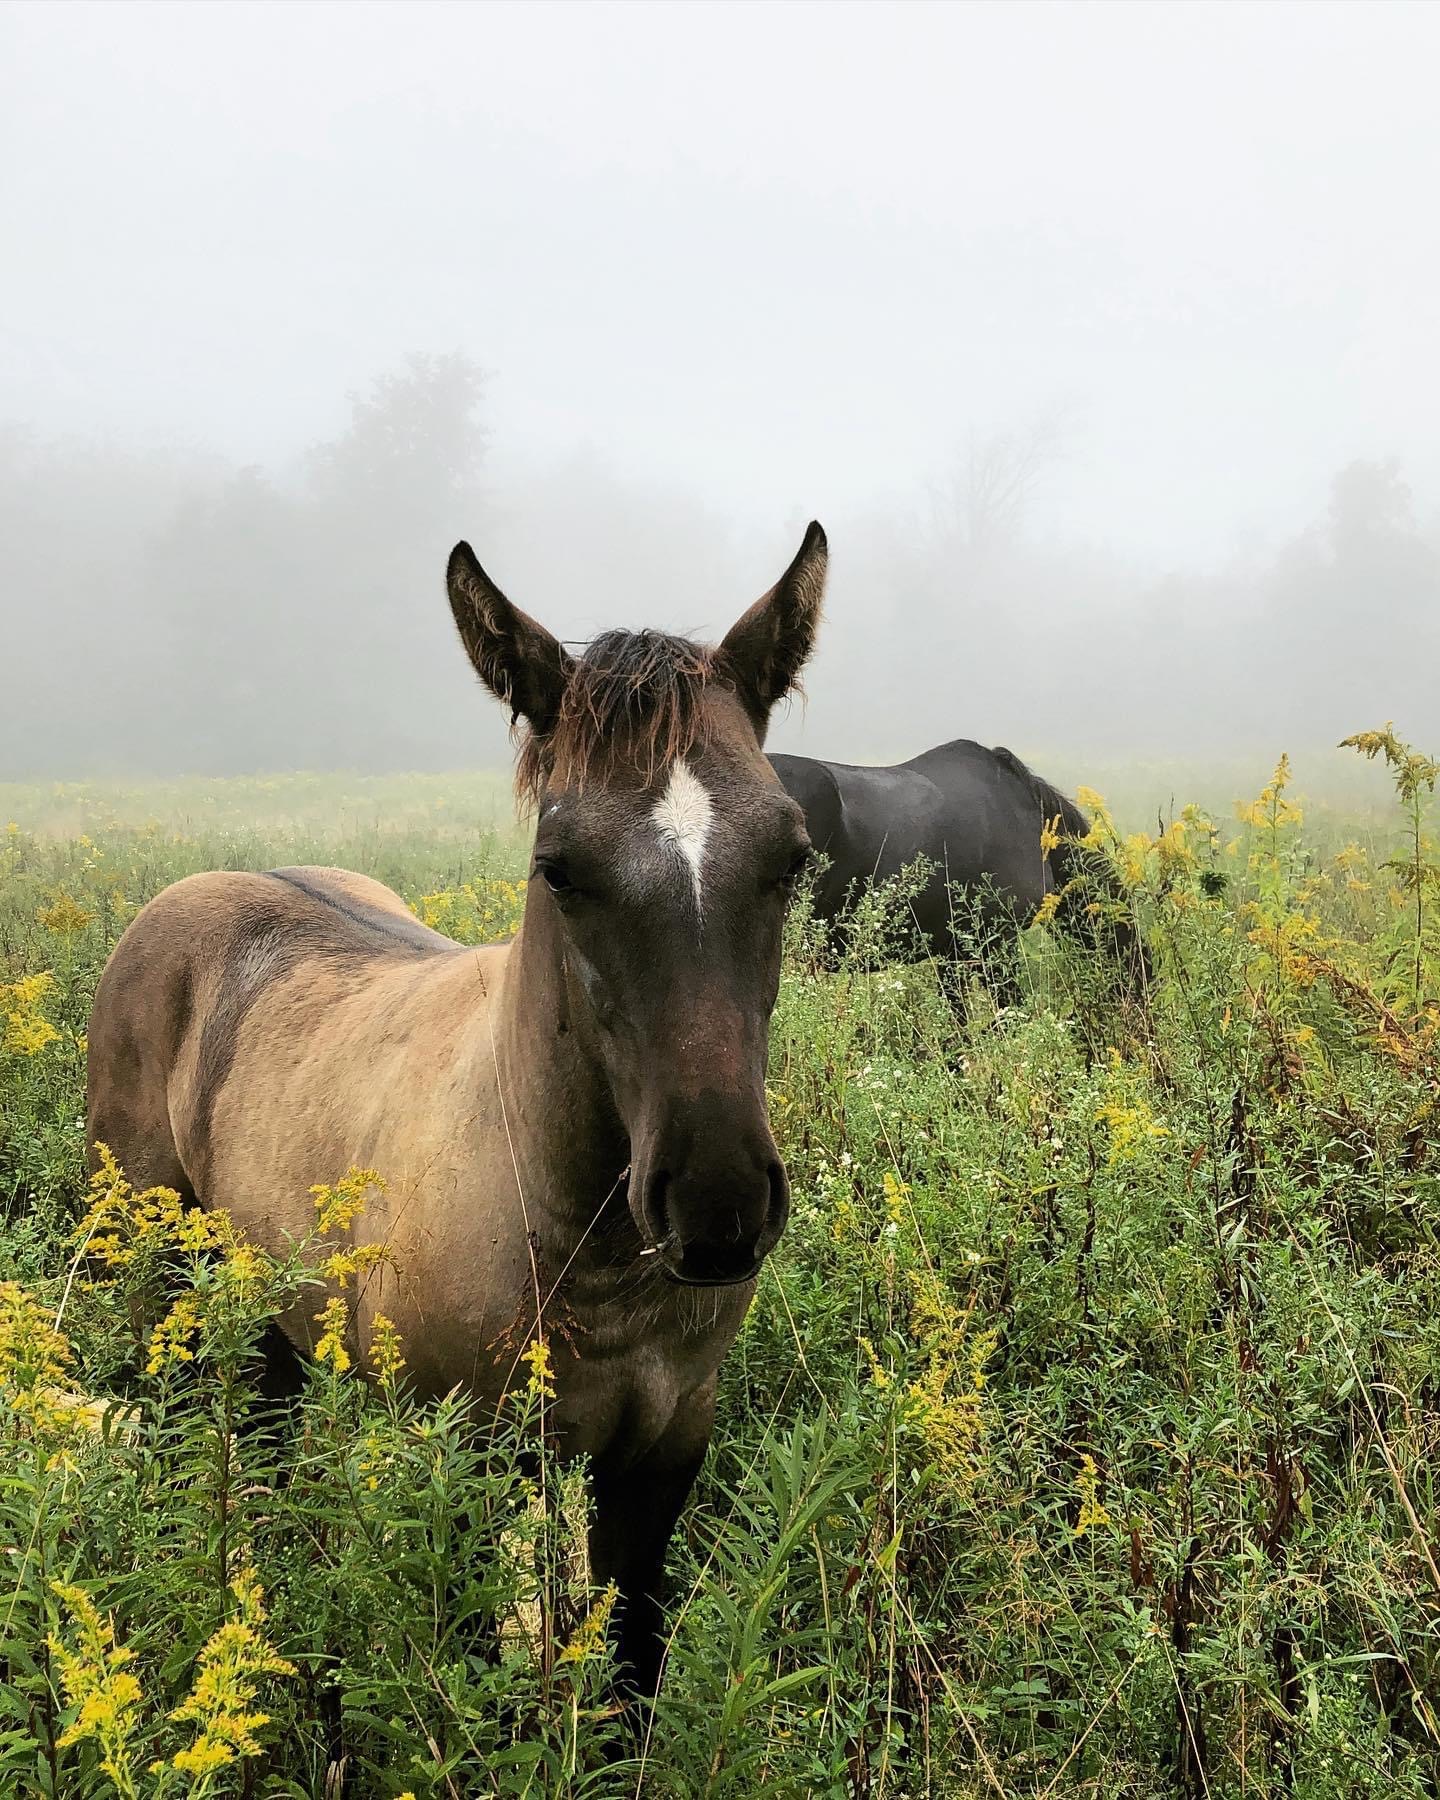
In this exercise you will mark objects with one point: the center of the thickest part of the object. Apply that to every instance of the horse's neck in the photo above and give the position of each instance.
(568, 1146)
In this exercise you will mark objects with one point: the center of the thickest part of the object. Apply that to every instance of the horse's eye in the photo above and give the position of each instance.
(798, 870)
(556, 879)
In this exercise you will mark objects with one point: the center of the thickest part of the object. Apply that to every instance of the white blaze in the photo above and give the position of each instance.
(683, 816)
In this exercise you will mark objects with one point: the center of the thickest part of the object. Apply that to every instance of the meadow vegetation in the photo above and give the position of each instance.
(1081, 1440)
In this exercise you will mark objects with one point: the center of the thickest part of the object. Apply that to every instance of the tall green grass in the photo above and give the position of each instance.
(1081, 1439)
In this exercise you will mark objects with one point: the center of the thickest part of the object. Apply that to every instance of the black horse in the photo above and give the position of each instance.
(977, 817)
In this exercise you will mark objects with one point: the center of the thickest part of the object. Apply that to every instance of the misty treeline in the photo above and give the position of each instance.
(166, 612)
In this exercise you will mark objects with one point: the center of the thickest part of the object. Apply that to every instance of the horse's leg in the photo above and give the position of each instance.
(135, 1128)
(636, 1510)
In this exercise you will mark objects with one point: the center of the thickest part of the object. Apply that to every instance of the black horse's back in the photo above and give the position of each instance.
(975, 814)
(973, 817)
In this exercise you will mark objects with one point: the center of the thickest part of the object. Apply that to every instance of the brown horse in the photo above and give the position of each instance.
(255, 1034)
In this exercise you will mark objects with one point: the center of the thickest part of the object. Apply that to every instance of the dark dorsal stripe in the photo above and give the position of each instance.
(385, 930)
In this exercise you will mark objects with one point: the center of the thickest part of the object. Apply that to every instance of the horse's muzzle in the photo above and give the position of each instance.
(715, 1233)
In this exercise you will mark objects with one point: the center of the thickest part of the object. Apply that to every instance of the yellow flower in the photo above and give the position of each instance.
(1133, 853)
(335, 1321)
(1051, 836)
(246, 1270)
(222, 1700)
(385, 1353)
(1092, 1510)
(541, 1383)
(338, 1205)
(1412, 771)
(483, 912)
(879, 1374)
(1293, 945)
(1047, 908)
(172, 1339)
(895, 1192)
(345, 1266)
(945, 1405)
(1102, 824)
(196, 1230)
(1131, 1125)
(95, 1680)
(588, 1641)
(31, 1350)
(120, 1226)
(1271, 809)
(34, 1361)
(1171, 848)
(27, 1031)
(64, 916)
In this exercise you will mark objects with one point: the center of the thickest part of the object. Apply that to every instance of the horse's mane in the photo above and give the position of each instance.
(633, 698)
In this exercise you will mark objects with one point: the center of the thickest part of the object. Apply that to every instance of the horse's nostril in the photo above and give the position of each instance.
(657, 1212)
(779, 1190)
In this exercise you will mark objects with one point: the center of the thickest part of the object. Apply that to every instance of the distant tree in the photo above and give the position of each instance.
(386, 500)
(987, 501)
(217, 619)
(232, 593)
(413, 449)
(1353, 613)
(1370, 507)
(85, 626)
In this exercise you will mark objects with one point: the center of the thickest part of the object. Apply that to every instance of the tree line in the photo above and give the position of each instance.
(167, 612)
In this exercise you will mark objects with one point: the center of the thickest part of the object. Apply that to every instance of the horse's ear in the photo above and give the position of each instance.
(518, 660)
(765, 650)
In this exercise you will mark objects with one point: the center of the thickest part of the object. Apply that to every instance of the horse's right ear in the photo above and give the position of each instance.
(766, 648)
(518, 660)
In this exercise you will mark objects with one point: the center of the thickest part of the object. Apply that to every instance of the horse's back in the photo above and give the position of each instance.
(973, 813)
(189, 968)
(956, 805)
(965, 772)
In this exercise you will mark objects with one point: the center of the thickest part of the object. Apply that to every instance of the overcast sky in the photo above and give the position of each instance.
(787, 256)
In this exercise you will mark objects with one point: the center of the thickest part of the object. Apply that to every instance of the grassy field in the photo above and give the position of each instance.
(1082, 1438)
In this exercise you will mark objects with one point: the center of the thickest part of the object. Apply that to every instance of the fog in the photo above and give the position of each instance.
(1100, 338)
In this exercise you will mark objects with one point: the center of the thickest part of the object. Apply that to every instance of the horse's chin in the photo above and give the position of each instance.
(658, 1257)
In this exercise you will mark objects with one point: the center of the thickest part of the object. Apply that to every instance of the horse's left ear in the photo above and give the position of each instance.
(766, 648)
